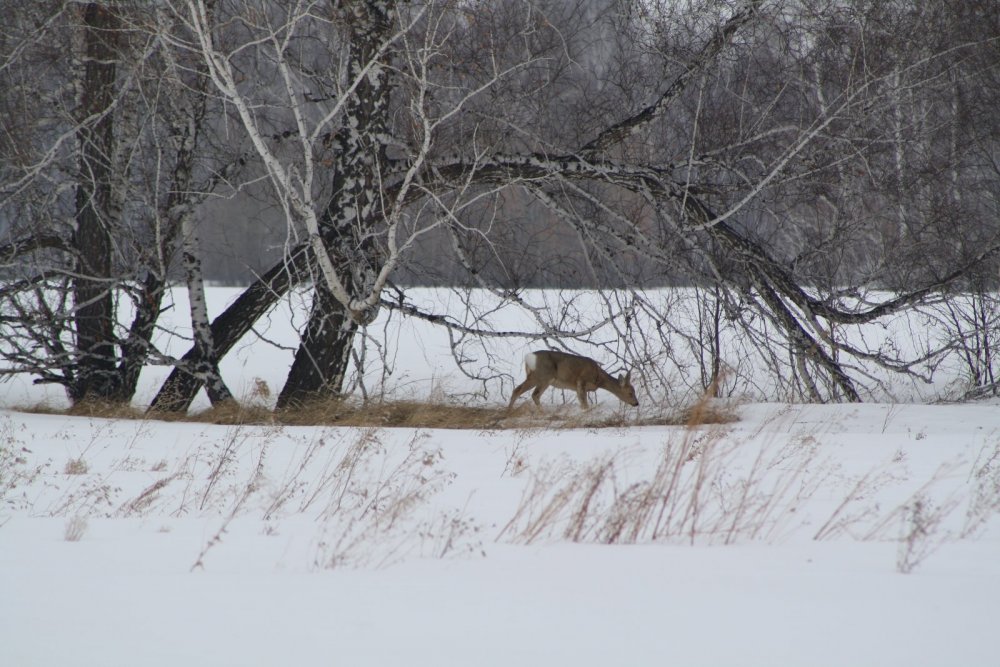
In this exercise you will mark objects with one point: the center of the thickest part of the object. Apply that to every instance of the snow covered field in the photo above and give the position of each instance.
(796, 535)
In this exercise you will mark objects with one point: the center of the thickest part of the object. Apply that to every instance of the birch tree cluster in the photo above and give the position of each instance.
(801, 169)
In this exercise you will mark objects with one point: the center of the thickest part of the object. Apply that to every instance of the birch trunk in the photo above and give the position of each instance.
(350, 221)
(206, 367)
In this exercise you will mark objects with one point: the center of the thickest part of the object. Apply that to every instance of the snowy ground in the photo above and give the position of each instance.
(256, 552)
(797, 535)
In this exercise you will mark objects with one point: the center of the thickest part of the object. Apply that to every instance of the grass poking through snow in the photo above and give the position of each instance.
(412, 414)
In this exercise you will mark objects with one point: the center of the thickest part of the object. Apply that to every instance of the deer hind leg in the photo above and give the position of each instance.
(520, 389)
(537, 394)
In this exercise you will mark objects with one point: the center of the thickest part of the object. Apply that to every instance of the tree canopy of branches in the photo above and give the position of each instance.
(813, 167)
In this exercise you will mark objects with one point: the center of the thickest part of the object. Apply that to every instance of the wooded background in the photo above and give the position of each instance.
(812, 165)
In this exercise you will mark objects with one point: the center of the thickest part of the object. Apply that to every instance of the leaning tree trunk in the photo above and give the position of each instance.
(96, 376)
(180, 388)
(354, 213)
(323, 355)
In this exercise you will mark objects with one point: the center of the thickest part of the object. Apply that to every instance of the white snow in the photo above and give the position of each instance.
(799, 535)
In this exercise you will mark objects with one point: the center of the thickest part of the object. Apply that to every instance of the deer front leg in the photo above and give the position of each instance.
(581, 394)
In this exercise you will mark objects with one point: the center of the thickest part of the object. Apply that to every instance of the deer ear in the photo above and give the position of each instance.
(628, 378)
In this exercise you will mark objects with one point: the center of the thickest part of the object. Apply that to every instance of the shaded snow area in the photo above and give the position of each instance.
(797, 535)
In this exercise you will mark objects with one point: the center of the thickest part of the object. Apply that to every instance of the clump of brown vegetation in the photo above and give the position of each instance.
(445, 415)
(404, 413)
(409, 413)
(76, 467)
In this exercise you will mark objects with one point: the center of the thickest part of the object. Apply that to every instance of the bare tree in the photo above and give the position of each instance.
(761, 152)
(476, 96)
(109, 165)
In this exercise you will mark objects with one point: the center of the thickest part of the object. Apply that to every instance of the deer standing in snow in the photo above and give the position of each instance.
(547, 368)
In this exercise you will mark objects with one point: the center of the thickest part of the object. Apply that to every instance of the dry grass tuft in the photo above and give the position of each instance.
(704, 490)
(76, 467)
(434, 413)
(706, 410)
(104, 410)
(75, 528)
(437, 414)
(410, 414)
(229, 412)
(703, 412)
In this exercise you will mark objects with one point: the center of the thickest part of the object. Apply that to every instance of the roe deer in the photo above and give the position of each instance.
(547, 368)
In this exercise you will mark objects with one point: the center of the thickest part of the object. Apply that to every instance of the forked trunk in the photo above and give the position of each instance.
(351, 221)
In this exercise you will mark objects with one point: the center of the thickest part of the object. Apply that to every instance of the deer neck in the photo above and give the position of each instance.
(608, 382)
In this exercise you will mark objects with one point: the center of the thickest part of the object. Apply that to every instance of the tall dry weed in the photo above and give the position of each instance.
(703, 489)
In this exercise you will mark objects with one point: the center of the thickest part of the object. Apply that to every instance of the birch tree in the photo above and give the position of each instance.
(109, 162)
(415, 114)
(753, 149)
